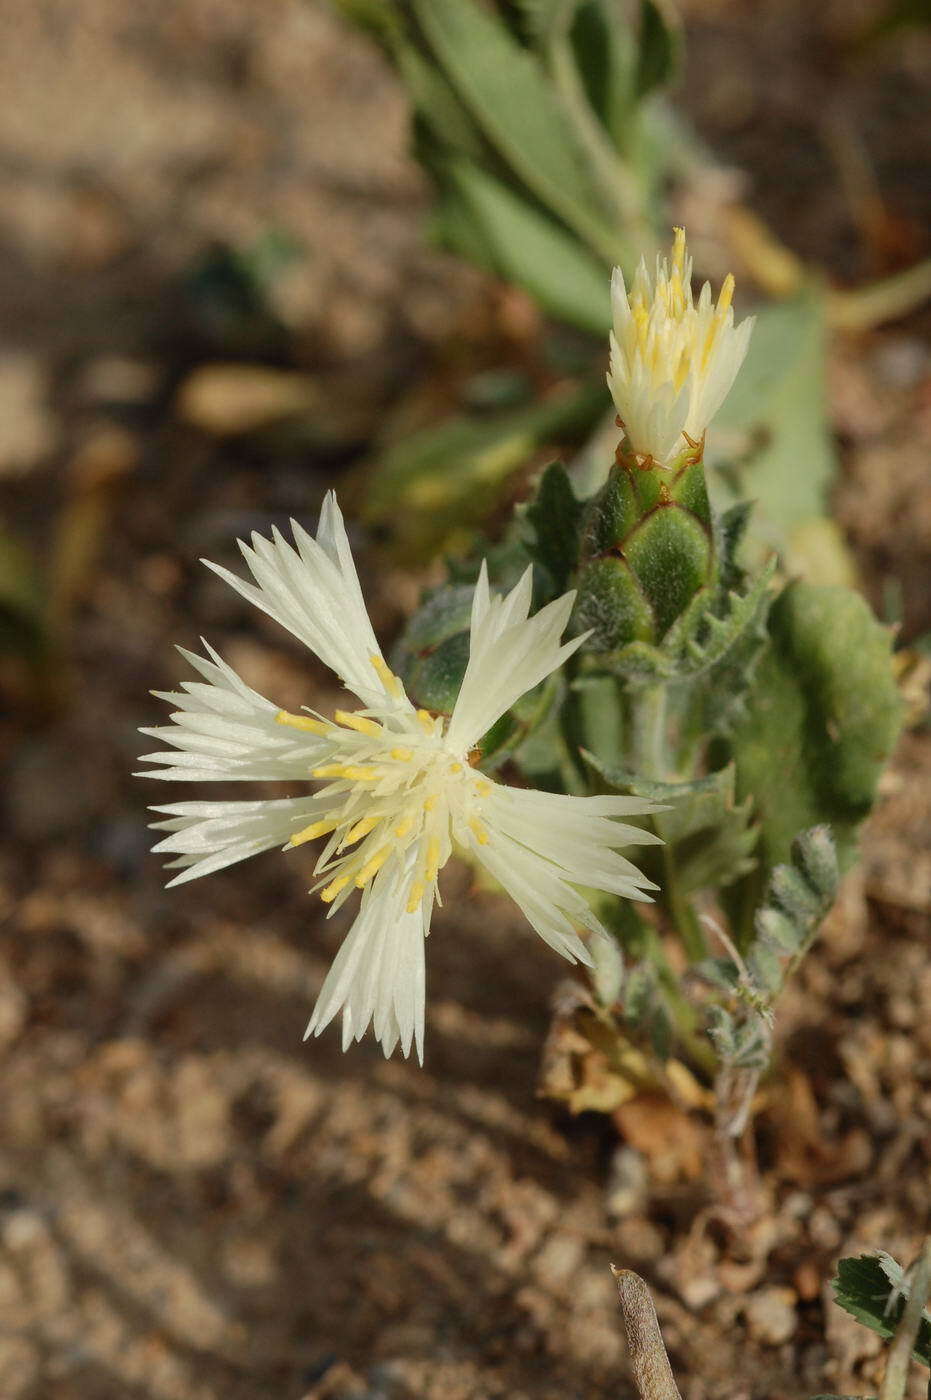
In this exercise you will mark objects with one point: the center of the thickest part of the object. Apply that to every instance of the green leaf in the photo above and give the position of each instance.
(711, 835)
(436, 484)
(552, 539)
(438, 108)
(658, 50)
(381, 17)
(528, 248)
(822, 717)
(705, 634)
(506, 90)
(605, 50)
(544, 18)
(864, 1286)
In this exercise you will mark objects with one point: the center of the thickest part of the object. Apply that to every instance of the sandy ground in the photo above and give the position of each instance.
(194, 1204)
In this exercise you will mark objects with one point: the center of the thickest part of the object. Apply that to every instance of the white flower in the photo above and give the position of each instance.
(672, 362)
(396, 789)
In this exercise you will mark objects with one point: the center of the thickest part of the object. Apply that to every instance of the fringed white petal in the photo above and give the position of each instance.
(377, 977)
(577, 837)
(207, 836)
(549, 903)
(223, 730)
(312, 589)
(509, 654)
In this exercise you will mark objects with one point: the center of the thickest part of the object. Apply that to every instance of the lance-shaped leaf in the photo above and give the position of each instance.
(506, 90)
(658, 50)
(710, 835)
(523, 245)
(551, 526)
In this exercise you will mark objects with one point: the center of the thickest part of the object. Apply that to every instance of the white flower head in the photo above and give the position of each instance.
(672, 361)
(395, 789)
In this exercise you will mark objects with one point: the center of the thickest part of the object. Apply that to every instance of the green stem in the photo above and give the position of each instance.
(648, 757)
(648, 731)
(682, 910)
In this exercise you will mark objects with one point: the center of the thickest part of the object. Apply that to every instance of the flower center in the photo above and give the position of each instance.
(394, 789)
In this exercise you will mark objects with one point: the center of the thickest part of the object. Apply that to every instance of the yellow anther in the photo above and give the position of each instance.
(678, 249)
(387, 677)
(360, 829)
(312, 726)
(727, 294)
(403, 828)
(483, 787)
(455, 768)
(414, 898)
(333, 888)
(359, 722)
(371, 866)
(430, 803)
(402, 755)
(310, 833)
(426, 720)
(345, 770)
(478, 831)
(433, 858)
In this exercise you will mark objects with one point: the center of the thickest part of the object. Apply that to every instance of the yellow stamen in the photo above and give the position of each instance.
(402, 755)
(414, 898)
(478, 831)
(430, 803)
(678, 250)
(387, 677)
(426, 720)
(310, 833)
(433, 857)
(402, 828)
(483, 788)
(359, 722)
(345, 770)
(455, 768)
(360, 829)
(333, 888)
(312, 726)
(370, 868)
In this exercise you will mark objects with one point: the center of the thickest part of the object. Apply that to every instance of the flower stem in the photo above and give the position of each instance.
(648, 757)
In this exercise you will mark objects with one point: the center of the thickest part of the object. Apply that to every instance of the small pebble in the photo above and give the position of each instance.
(771, 1316)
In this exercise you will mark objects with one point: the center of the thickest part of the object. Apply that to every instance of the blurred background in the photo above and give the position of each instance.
(217, 300)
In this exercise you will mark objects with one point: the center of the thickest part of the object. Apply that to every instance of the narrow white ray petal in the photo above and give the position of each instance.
(313, 591)
(507, 661)
(542, 895)
(579, 844)
(481, 599)
(377, 976)
(224, 730)
(207, 836)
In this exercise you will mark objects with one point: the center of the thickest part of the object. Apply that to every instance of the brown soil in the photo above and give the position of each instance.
(193, 1203)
